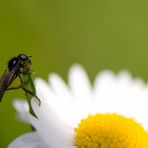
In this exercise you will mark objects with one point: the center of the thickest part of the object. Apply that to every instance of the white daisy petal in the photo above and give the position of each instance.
(45, 93)
(22, 107)
(30, 140)
(104, 80)
(43, 90)
(53, 135)
(51, 118)
(49, 100)
(59, 87)
(79, 83)
(125, 77)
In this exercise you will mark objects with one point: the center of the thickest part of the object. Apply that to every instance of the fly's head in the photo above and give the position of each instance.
(25, 63)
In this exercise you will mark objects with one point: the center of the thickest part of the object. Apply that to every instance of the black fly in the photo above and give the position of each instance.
(17, 67)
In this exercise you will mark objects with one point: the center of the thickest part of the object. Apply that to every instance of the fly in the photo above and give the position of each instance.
(17, 67)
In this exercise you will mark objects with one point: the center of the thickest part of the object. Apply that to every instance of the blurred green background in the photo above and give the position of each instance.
(98, 34)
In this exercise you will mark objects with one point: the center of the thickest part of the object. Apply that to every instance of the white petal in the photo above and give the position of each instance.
(104, 81)
(30, 140)
(22, 107)
(124, 77)
(104, 85)
(79, 83)
(59, 87)
(48, 116)
(63, 108)
(46, 95)
(50, 135)
(43, 90)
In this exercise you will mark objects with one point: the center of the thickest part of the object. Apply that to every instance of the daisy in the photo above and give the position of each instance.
(111, 114)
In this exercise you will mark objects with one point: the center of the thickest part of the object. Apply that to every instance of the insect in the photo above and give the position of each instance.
(18, 66)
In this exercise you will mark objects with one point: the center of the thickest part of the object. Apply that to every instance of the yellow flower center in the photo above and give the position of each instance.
(110, 131)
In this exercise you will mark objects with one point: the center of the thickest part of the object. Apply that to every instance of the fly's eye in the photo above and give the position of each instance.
(13, 63)
(22, 57)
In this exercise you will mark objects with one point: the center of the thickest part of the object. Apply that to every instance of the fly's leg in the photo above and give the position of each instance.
(15, 87)
(31, 93)
(28, 91)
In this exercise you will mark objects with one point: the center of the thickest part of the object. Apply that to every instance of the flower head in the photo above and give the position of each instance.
(111, 114)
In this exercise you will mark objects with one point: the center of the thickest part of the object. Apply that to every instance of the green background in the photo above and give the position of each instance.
(109, 34)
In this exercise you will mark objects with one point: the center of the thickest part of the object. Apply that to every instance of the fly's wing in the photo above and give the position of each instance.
(6, 80)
